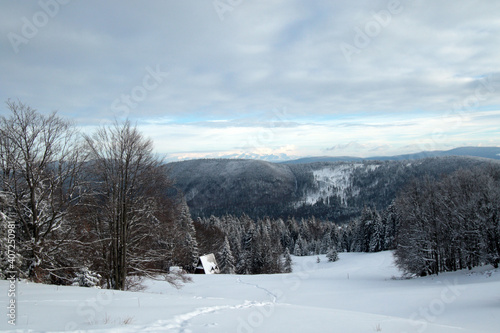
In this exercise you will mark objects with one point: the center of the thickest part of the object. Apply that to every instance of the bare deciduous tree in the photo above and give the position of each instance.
(40, 165)
(450, 224)
(130, 212)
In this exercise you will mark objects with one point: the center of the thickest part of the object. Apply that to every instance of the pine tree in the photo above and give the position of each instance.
(191, 253)
(87, 278)
(190, 234)
(297, 251)
(245, 263)
(226, 259)
(326, 243)
(334, 237)
(377, 236)
(301, 247)
(287, 262)
(390, 221)
(365, 228)
(347, 238)
(332, 255)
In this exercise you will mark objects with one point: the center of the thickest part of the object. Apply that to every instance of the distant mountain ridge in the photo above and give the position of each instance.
(483, 152)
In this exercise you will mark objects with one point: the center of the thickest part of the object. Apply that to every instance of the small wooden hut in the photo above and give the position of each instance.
(207, 265)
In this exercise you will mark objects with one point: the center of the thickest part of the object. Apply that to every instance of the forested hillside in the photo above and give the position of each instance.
(334, 191)
(434, 226)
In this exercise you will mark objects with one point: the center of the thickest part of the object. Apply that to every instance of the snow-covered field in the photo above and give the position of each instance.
(355, 294)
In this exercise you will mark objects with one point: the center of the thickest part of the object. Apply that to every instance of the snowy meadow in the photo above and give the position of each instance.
(362, 292)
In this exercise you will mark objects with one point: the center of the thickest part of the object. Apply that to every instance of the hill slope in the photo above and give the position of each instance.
(237, 186)
(327, 190)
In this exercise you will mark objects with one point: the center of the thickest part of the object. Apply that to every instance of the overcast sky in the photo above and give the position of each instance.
(299, 77)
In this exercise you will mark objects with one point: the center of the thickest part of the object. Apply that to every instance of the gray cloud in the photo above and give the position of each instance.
(264, 55)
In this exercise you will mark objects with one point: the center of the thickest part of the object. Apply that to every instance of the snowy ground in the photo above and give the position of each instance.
(355, 294)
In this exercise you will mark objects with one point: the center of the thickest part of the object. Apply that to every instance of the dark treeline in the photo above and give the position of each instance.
(242, 245)
(262, 245)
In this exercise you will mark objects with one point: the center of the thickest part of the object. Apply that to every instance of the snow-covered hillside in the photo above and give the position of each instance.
(334, 181)
(356, 294)
(335, 191)
(330, 181)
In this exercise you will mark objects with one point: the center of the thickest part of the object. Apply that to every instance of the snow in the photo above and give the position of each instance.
(330, 181)
(359, 293)
(334, 180)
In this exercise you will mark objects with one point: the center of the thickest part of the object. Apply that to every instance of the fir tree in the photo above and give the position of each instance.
(287, 262)
(87, 278)
(245, 263)
(297, 251)
(377, 236)
(300, 248)
(332, 255)
(187, 252)
(326, 243)
(226, 259)
(391, 223)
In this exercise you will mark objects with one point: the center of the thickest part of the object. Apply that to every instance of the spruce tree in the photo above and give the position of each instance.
(187, 252)
(332, 255)
(287, 262)
(377, 236)
(226, 259)
(246, 260)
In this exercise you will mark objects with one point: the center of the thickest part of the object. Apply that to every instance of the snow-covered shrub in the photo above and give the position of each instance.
(332, 255)
(87, 278)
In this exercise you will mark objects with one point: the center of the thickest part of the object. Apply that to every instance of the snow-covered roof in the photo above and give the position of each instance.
(209, 264)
